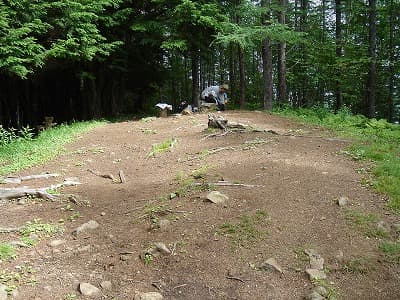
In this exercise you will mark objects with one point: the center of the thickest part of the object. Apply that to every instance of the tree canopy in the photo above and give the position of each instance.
(82, 59)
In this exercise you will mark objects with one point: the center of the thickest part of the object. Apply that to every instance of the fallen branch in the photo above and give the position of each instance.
(10, 229)
(12, 193)
(225, 183)
(12, 179)
(122, 176)
(235, 278)
(109, 176)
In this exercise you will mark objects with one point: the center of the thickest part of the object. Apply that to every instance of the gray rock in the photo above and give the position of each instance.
(271, 264)
(164, 224)
(3, 292)
(88, 290)
(217, 197)
(321, 290)
(91, 225)
(162, 248)
(315, 296)
(343, 201)
(316, 261)
(316, 274)
(56, 243)
(106, 285)
(149, 296)
(381, 226)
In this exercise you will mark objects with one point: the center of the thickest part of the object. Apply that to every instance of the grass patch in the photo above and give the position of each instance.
(366, 223)
(391, 251)
(360, 265)
(248, 231)
(25, 275)
(7, 251)
(19, 153)
(36, 227)
(374, 140)
(162, 147)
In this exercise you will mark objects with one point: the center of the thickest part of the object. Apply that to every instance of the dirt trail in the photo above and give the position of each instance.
(219, 251)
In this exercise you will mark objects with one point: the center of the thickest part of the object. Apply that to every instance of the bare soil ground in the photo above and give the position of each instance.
(284, 202)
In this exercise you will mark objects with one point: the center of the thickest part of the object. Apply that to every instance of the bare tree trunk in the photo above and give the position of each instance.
(391, 64)
(282, 87)
(338, 35)
(371, 83)
(242, 79)
(195, 78)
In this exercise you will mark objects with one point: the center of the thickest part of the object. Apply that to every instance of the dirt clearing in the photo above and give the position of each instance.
(277, 224)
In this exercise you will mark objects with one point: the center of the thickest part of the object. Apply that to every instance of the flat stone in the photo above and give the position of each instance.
(3, 292)
(164, 224)
(106, 285)
(56, 243)
(149, 296)
(88, 289)
(343, 201)
(271, 263)
(217, 197)
(315, 296)
(91, 225)
(316, 274)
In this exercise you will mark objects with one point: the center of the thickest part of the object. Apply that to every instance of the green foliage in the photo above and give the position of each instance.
(366, 223)
(20, 153)
(248, 231)
(391, 250)
(7, 251)
(164, 146)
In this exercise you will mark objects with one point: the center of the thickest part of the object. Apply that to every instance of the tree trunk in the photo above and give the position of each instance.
(242, 79)
(371, 83)
(390, 101)
(282, 87)
(338, 35)
(195, 78)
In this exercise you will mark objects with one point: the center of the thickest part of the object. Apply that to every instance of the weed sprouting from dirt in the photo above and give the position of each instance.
(360, 265)
(7, 251)
(248, 231)
(366, 223)
(391, 251)
(162, 147)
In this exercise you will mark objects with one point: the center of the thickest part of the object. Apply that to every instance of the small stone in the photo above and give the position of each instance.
(164, 224)
(271, 263)
(106, 285)
(125, 257)
(317, 262)
(315, 296)
(21, 201)
(56, 243)
(339, 256)
(162, 248)
(321, 290)
(91, 225)
(217, 197)
(381, 226)
(149, 296)
(316, 274)
(343, 201)
(3, 292)
(103, 214)
(84, 249)
(88, 290)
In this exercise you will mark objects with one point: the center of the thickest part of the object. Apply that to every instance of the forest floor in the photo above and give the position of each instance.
(281, 216)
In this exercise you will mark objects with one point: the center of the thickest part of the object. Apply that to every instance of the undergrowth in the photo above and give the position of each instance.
(374, 140)
(22, 151)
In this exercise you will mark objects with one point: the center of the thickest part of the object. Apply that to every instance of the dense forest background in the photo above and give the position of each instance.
(83, 59)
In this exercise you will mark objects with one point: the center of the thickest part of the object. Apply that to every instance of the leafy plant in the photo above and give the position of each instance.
(162, 147)
(391, 250)
(7, 251)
